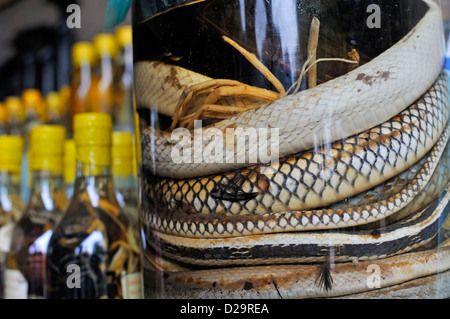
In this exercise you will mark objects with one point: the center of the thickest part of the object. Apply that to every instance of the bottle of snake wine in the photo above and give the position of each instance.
(123, 93)
(11, 206)
(90, 254)
(82, 79)
(70, 166)
(25, 263)
(106, 49)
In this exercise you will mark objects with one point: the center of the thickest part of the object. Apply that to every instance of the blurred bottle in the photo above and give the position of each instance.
(123, 112)
(16, 125)
(125, 183)
(81, 94)
(54, 105)
(16, 116)
(11, 206)
(106, 48)
(93, 237)
(35, 114)
(3, 119)
(24, 276)
(70, 166)
(64, 95)
(35, 110)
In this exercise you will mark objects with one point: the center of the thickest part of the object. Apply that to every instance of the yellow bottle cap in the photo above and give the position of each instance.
(11, 148)
(47, 148)
(83, 53)
(15, 109)
(122, 153)
(106, 44)
(3, 114)
(124, 35)
(53, 102)
(92, 135)
(32, 101)
(70, 161)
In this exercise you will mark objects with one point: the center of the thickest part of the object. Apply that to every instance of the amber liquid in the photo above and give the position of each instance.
(88, 246)
(82, 94)
(33, 231)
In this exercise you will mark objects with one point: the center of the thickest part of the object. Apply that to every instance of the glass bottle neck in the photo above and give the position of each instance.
(84, 72)
(95, 181)
(7, 188)
(128, 74)
(124, 181)
(47, 190)
(106, 70)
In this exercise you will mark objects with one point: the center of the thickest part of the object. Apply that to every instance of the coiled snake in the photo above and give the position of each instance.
(210, 214)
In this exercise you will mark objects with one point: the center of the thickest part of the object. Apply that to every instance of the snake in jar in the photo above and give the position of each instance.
(377, 121)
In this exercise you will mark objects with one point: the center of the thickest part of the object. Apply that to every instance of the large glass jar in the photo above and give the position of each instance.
(292, 148)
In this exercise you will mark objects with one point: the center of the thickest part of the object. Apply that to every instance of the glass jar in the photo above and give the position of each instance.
(292, 148)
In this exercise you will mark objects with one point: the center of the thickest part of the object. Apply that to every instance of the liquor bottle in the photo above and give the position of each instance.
(81, 92)
(16, 116)
(125, 183)
(106, 50)
(35, 111)
(89, 254)
(25, 263)
(70, 166)
(3, 119)
(35, 114)
(54, 106)
(64, 97)
(11, 206)
(123, 112)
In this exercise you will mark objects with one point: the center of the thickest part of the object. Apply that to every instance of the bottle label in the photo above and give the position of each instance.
(16, 286)
(5, 237)
(132, 286)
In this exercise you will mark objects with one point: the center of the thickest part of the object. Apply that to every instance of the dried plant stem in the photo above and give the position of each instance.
(312, 51)
(258, 64)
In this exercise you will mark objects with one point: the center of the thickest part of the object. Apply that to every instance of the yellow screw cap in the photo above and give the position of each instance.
(92, 135)
(106, 44)
(83, 53)
(124, 35)
(122, 153)
(11, 148)
(48, 139)
(47, 148)
(92, 128)
(70, 161)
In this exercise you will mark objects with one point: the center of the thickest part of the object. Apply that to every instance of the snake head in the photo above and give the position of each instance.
(234, 189)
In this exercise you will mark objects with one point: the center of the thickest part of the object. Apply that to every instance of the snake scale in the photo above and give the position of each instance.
(207, 215)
